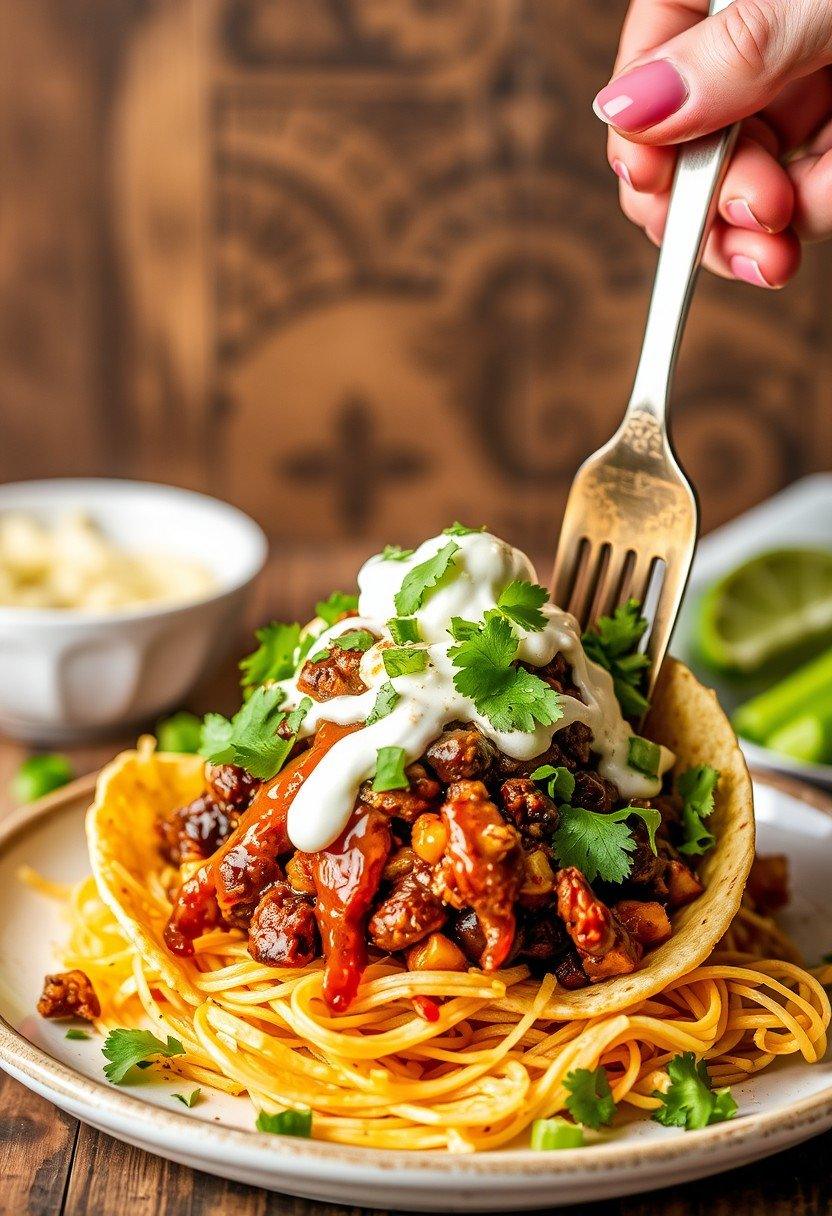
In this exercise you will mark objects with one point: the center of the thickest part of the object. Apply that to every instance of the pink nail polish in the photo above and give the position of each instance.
(641, 98)
(748, 270)
(619, 168)
(738, 212)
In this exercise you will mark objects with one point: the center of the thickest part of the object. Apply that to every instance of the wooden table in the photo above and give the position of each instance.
(51, 1165)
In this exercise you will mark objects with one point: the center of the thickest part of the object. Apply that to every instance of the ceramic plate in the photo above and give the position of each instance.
(800, 516)
(788, 1104)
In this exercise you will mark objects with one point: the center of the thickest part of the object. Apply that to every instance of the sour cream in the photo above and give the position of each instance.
(479, 572)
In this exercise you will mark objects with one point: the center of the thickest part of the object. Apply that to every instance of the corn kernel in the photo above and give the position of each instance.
(436, 953)
(539, 878)
(430, 838)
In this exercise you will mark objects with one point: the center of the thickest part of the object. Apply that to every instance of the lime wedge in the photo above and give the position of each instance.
(771, 605)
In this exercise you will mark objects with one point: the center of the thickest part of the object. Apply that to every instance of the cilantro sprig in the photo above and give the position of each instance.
(386, 701)
(278, 656)
(613, 644)
(558, 782)
(390, 774)
(335, 606)
(520, 602)
(600, 845)
(127, 1048)
(590, 1098)
(351, 639)
(190, 1100)
(286, 1123)
(395, 553)
(458, 529)
(250, 738)
(404, 660)
(696, 788)
(690, 1100)
(510, 697)
(423, 578)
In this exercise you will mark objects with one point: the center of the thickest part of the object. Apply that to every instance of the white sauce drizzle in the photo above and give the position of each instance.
(428, 700)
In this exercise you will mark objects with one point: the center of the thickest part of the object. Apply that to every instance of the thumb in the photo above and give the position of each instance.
(720, 70)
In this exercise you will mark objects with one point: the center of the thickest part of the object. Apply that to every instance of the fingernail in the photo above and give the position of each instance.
(748, 270)
(738, 212)
(622, 171)
(643, 97)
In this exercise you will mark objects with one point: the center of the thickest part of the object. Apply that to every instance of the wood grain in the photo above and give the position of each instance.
(36, 1152)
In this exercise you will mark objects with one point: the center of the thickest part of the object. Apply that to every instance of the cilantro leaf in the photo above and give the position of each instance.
(126, 1048)
(276, 658)
(590, 1099)
(395, 553)
(458, 529)
(190, 1099)
(521, 602)
(286, 1123)
(423, 578)
(351, 639)
(461, 630)
(696, 788)
(404, 629)
(250, 739)
(337, 604)
(689, 1101)
(613, 644)
(600, 845)
(390, 774)
(386, 701)
(404, 660)
(180, 732)
(510, 697)
(79, 1035)
(559, 782)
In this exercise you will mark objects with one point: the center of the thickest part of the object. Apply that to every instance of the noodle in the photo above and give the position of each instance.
(475, 1078)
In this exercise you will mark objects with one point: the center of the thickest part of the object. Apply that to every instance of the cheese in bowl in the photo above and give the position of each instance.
(73, 564)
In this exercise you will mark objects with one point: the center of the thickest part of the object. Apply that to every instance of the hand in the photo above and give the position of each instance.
(679, 75)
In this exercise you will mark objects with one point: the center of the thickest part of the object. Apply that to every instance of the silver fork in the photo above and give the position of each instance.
(632, 518)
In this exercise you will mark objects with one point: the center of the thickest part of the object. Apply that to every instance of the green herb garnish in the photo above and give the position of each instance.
(404, 629)
(78, 1035)
(599, 845)
(390, 774)
(40, 775)
(286, 1123)
(386, 701)
(423, 578)
(337, 605)
(613, 643)
(458, 529)
(179, 733)
(250, 739)
(127, 1048)
(190, 1099)
(351, 639)
(696, 788)
(559, 782)
(689, 1101)
(395, 553)
(644, 756)
(521, 602)
(590, 1099)
(277, 657)
(404, 660)
(461, 630)
(510, 697)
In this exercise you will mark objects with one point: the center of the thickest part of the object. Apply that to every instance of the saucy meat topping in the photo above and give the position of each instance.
(69, 994)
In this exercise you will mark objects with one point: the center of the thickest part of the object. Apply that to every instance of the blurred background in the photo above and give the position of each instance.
(358, 267)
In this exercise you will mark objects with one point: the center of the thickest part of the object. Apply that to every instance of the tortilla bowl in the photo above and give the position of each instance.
(139, 787)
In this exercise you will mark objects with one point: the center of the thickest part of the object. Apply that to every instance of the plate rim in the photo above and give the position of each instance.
(207, 1142)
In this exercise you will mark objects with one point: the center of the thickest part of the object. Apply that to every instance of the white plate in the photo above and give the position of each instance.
(801, 515)
(778, 1109)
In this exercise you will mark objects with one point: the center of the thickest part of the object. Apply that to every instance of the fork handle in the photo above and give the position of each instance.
(699, 172)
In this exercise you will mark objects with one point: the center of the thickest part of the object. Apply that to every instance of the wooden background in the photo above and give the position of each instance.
(356, 265)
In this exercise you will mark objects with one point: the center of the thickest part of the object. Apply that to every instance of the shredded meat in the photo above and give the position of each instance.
(605, 946)
(482, 867)
(69, 994)
(231, 786)
(683, 886)
(283, 930)
(646, 867)
(409, 912)
(569, 973)
(558, 675)
(335, 675)
(531, 810)
(422, 795)
(648, 922)
(347, 876)
(768, 883)
(460, 754)
(542, 937)
(594, 793)
(195, 831)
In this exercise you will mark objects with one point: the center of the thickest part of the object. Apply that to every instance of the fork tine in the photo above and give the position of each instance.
(611, 587)
(584, 594)
(638, 582)
(672, 589)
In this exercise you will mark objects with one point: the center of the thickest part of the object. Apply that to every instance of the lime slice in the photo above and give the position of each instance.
(768, 607)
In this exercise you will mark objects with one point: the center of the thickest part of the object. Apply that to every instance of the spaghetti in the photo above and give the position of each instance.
(474, 1078)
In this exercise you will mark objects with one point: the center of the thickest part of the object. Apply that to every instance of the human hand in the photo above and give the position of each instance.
(678, 76)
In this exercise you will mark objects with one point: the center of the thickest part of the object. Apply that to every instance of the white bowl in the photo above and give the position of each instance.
(69, 675)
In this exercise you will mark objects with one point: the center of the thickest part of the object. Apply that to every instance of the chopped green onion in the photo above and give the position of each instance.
(390, 774)
(404, 629)
(556, 1133)
(644, 756)
(181, 732)
(40, 775)
(404, 660)
(78, 1035)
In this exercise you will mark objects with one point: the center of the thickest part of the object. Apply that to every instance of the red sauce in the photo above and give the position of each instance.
(230, 882)
(347, 876)
(426, 1007)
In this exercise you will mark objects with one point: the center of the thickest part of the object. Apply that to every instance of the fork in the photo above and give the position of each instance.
(632, 518)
